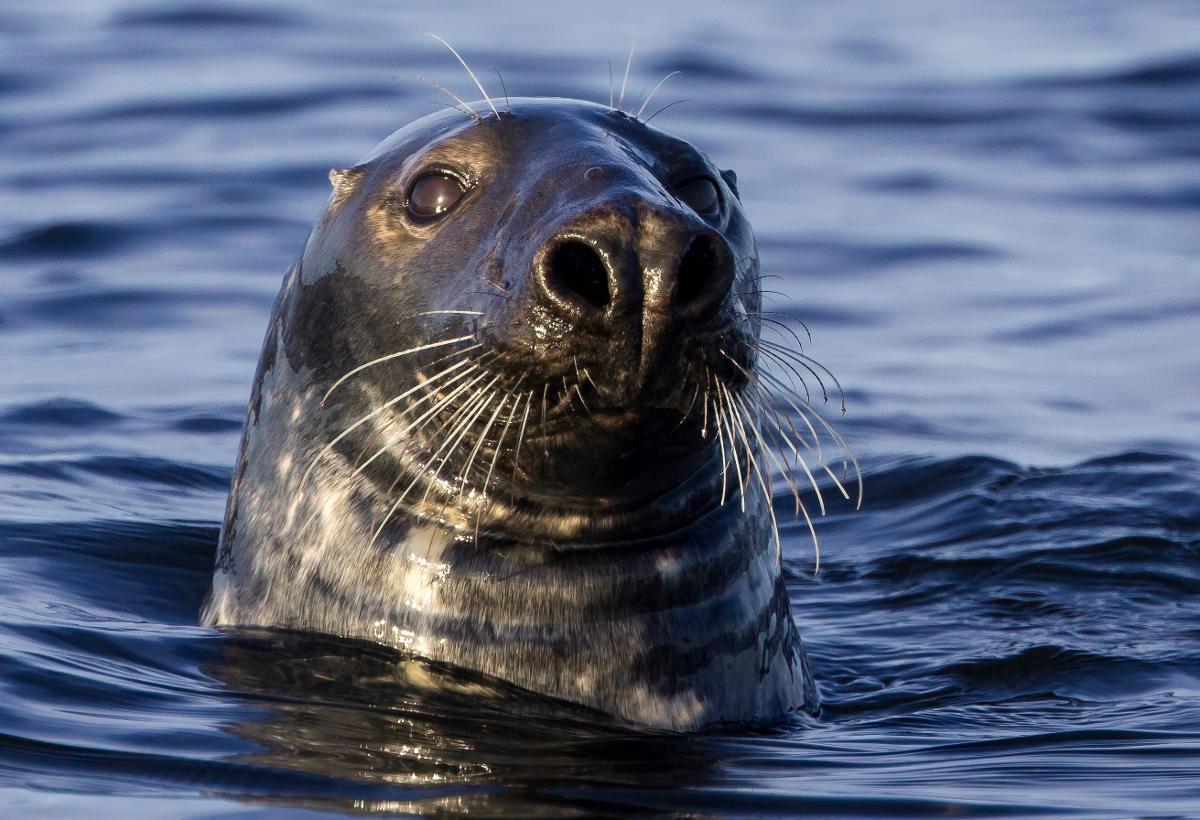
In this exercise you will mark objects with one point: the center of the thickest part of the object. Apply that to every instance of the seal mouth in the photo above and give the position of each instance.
(617, 419)
(582, 405)
(488, 438)
(475, 439)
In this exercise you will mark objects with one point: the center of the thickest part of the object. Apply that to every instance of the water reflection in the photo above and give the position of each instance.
(361, 713)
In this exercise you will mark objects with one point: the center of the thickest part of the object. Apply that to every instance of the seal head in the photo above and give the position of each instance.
(497, 419)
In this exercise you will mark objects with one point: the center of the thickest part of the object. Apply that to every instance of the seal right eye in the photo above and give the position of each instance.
(700, 194)
(433, 195)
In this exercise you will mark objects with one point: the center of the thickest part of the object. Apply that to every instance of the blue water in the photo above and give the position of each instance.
(987, 213)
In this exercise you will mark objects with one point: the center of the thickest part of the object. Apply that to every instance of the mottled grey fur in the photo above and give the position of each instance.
(600, 567)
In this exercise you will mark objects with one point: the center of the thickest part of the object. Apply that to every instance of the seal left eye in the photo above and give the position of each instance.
(433, 195)
(700, 194)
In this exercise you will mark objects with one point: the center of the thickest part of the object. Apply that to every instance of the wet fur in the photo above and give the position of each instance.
(650, 597)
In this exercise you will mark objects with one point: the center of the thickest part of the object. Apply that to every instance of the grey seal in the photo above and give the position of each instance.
(509, 416)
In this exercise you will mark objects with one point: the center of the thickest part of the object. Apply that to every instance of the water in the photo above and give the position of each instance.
(988, 214)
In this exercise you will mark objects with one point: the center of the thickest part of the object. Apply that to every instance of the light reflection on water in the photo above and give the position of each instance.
(987, 214)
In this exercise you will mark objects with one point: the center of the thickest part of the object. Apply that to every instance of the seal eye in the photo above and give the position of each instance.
(700, 194)
(433, 195)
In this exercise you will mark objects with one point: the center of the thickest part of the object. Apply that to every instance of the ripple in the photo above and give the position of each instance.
(1163, 72)
(129, 469)
(880, 115)
(220, 106)
(208, 424)
(218, 16)
(127, 308)
(700, 65)
(70, 413)
(1176, 197)
(907, 182)
(832, 255)
(1149, 119)
(1043, 668)
(66, 239)
(1098, 322)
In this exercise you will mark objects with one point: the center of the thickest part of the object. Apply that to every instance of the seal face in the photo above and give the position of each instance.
(497, 419)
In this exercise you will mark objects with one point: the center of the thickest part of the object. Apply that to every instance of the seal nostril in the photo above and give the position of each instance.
(697, 270)
(575, 268)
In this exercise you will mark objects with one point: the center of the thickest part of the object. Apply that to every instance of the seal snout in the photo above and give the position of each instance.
(603, 268)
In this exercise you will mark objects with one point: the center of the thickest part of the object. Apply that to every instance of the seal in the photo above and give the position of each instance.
(509, 416)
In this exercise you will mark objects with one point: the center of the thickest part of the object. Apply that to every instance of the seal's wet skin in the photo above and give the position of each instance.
(510, 415)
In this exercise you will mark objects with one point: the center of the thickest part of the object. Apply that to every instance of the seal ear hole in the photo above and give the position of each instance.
(731, 180)
(342, 179)
(697, 270)
(574, 269)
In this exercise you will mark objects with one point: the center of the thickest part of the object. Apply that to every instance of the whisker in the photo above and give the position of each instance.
(845, 448)
(737, 464)
(724, 459)
(390, 403)
(784, 391)
(804, 415)
(587, 409)
(783, 326)
(736, 416)
(465, 473)
(775, 357)
(391, 356)
(495, 456)
(806, 358)
(770, 451)
(545, 445)
(459, 422)
(500, 442)
(762, 482)
(767, 400)
(459, 103)
(847, 453)
(836, 483)
(625, 81)
(578, 391)
(651, 95)
(664, 108)
(802, 509)
(753, 379)
(471, 73)
(421, 421)
(521, 435)
(780, 294)
(451, 440)
(457, 436)
(504, 88)
(687, 413)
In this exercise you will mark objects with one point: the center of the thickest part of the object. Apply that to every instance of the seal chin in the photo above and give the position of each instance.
(565, 517)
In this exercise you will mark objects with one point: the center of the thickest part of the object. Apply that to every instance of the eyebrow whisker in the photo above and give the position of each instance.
(625, 81)
(470, 73)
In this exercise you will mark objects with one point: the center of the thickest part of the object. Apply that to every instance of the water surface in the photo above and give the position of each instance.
(989, 216)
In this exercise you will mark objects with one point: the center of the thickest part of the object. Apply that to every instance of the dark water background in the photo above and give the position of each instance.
(989, 215)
